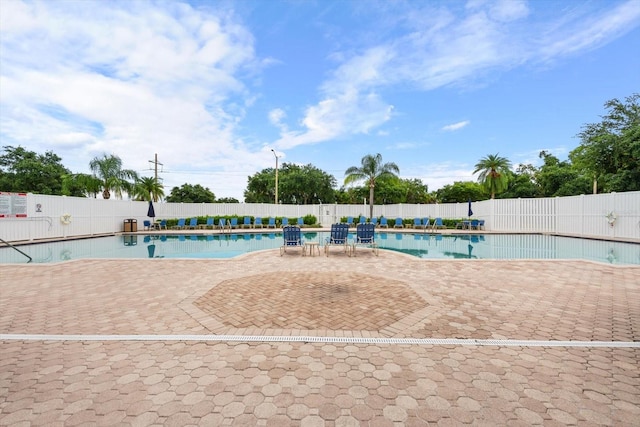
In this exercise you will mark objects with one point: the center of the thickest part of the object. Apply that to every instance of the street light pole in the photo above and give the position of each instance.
(276, 156)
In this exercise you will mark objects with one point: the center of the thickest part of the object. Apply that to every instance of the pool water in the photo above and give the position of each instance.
(422, 245)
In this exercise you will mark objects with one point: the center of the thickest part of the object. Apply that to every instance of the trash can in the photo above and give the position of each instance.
(130, 240)
(130, 225)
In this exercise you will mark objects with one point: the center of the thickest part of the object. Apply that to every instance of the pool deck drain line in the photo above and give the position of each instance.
(324, 340)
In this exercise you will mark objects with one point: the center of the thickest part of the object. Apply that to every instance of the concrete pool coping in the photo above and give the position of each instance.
(82, 369)
(311, 230)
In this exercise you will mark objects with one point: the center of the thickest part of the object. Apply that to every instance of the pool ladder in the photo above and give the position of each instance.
(11, 246)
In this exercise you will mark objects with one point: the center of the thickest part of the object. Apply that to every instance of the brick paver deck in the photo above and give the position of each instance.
(167, 380)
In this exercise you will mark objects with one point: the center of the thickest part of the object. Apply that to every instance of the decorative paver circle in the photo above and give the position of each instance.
(310, 300)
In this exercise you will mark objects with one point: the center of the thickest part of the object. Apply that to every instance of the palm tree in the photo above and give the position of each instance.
(372, 170)
(494, 172)
(109, 170)
(147, 188)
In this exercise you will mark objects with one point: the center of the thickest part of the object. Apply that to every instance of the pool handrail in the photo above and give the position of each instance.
(11, 246)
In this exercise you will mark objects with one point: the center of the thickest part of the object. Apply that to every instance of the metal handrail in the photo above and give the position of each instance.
(11, 246)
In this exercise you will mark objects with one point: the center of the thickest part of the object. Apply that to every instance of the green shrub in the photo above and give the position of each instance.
(310, 220)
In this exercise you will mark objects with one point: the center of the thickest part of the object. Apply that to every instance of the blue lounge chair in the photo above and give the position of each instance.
(285, 221)
(193, 223)
(437, 223)
(481, 224)
(349, 221)
(300, 222)
(246, 223)
(417, 223)
(363, 220)
(222, 224)
(374, 221)
(272, 223)
(338, 237)
(383, 222)
(292, 239)
(180, 225)
(147, 224)
(365, 235)
(426, 223)
(474, 224)
(233, 223)
(208, 224)
(398, 223)
(163, 224)
(257, 222)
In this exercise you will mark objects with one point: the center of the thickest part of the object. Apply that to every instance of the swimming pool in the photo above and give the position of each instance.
(423, 245)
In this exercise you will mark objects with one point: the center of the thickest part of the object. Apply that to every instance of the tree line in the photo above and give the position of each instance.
(606, 160)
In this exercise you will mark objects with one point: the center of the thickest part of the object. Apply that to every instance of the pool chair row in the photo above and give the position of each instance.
(258, 223)
(363, 220)
(223, 223)
(427, 223)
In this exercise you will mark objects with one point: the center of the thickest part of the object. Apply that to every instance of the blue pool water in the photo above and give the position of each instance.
(423, 245)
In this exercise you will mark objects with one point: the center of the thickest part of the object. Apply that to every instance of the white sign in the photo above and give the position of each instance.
(13, 205)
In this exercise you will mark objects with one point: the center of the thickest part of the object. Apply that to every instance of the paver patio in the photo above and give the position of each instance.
(162, 374)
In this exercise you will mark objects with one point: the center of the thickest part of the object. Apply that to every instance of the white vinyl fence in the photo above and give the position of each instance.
(613, 216)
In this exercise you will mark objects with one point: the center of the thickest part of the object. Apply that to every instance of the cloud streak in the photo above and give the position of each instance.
(433, 47)
(456, 126)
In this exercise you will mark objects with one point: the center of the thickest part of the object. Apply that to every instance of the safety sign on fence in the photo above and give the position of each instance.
(13, 205)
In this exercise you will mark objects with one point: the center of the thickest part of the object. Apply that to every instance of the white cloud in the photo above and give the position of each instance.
(437, 175)
(575, 32)
(131, 79)
(348, 113)
(276, 116)
(456, 126)
(509, 10)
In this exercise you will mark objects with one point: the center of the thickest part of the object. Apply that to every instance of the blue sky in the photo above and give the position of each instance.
(213, 86)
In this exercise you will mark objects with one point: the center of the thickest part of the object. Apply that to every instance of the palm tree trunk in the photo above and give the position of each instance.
(371, 201)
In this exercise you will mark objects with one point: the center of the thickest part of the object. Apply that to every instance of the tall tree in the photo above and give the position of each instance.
(261, 187)
(26, 171)
(188, 193)
(521, 183)
(148, 189)
(297, 185)
(108, 169)
(227, 200)
(494, 173)
(610, 150)
(461, 192)
(305, 185)
(557, 178)
(371, 170)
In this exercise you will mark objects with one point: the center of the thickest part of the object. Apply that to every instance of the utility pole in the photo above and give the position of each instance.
(156, 163)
